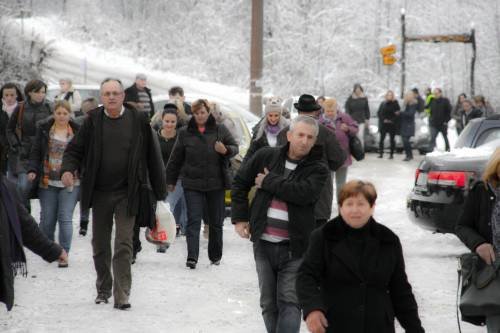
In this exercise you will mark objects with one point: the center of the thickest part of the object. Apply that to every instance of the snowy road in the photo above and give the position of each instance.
(168, 297)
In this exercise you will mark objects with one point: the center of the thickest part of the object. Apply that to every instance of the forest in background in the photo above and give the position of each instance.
(320, 47)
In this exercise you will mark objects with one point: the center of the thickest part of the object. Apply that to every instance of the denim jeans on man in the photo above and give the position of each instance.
(57, 205)
(177, 205)
(434, 133)
(277, 273)
(195, 201)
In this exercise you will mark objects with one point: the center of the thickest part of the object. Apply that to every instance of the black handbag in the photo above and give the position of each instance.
(479, 286)
(356, 148)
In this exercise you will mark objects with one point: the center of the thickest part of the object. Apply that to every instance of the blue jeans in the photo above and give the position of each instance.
(195, 201)
(57, 204)
(177, 204)
(277, 273)
(340, 178)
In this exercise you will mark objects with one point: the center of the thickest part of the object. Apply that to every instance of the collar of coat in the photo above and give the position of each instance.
(335, 230)
(46, 124)
(210, 124)
(315, 154)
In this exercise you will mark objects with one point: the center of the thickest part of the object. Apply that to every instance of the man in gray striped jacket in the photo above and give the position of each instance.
(280, 220)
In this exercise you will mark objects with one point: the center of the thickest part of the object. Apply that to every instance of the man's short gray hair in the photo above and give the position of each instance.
(306, 120)
(109, 79)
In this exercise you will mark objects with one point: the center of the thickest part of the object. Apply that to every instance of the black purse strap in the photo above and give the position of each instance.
(459, 271)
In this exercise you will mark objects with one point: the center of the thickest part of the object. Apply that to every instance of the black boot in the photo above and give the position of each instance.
(83, 227)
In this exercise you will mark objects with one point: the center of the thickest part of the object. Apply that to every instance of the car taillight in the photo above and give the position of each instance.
(417, 173)
(448, 178)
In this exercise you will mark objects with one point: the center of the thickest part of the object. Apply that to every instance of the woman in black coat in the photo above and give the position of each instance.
(201, 153)
(479, 225)
(18, 229)
(388, 117)
(353, 278)
(407, 123)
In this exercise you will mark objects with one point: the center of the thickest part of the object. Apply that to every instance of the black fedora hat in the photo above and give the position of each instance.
(307, 103)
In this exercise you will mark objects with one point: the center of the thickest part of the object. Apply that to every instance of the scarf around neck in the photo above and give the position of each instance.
(273, 129)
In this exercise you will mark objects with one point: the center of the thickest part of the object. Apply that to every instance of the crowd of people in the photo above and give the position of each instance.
(341, 275)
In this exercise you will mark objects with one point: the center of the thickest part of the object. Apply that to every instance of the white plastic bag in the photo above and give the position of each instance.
(165, 230)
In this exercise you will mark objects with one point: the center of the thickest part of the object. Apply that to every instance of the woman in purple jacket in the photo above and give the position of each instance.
(344, 127)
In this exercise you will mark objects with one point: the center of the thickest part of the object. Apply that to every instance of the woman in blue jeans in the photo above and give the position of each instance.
(57, 203)
(200, 157)
(167, 135)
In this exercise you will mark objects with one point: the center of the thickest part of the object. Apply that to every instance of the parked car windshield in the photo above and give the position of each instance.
(463, 137)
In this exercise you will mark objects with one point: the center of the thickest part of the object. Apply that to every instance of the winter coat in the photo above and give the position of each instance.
(407, 120)
(195, 159)
(343, 137)
(387, 118)
(20, 147)
(357, 296)
(440, 109)
(474, 225)
(73, 97)
(132, 95)
(166, 146)
(358, 108)
(420, 104)
(334, 156)
(84, 153)
(259, 138)
(4, 149)
(32, 238)
(300, 190)
(40, 149)
(474, 113)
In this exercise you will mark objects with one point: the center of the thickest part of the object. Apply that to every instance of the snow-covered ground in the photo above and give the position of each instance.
(168, 297)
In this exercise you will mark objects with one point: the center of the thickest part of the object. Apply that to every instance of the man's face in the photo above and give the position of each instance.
(112, 96)
(141, 83)
(302, 139)
(467, 106)
(437, 93)
(176, 97)
(9, 96)
(64, 85)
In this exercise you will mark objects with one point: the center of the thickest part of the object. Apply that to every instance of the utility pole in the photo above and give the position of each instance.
(256, 57)
(403, 52)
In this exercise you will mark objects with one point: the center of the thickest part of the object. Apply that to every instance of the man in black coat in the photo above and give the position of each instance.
(470, 112)
(333, 155)
(281, 218)
(440, 109)
(115, 147)
(18, 229)
(139, 96)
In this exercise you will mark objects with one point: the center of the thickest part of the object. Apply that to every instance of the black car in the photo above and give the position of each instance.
(442, 181)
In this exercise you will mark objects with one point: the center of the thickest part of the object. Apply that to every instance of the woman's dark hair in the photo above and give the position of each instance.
(458, 98)
(34, 86)
(169, 111)
(357, 85)
(10, 85)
